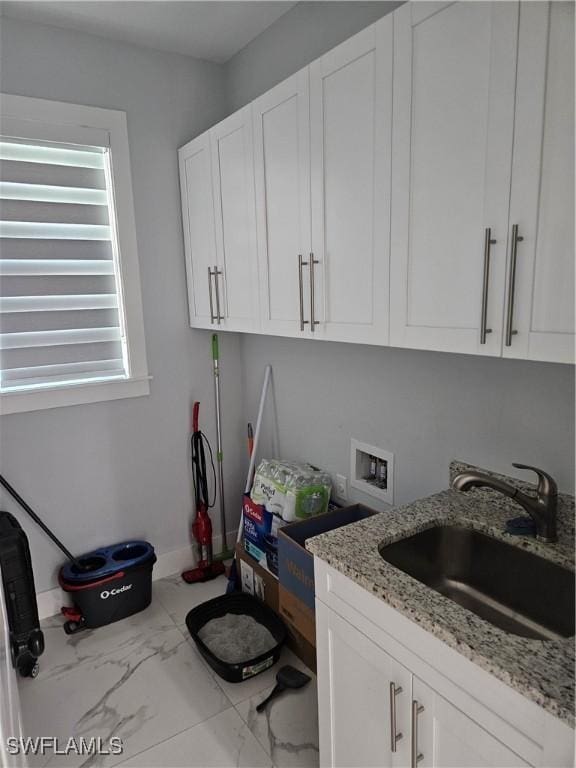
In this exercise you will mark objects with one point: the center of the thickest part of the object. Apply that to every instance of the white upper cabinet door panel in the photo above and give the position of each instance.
(542, 203)
(233, 169)
(454, 85)
(198, 223)
(282, 174)
(351, 121)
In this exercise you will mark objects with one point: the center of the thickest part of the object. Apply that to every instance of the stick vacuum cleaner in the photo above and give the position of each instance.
(207, 568)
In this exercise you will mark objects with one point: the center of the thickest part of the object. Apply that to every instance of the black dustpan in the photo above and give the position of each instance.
(287, 677)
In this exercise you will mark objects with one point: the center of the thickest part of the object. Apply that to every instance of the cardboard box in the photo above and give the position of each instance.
(258, 524)
(297, 616)
(259, 582)
(256, 580)
(296, 565)
(300, 647)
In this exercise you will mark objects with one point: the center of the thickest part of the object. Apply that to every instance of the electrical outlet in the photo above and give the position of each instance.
(342, 487)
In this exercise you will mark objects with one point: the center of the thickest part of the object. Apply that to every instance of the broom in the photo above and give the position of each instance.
(233, 575)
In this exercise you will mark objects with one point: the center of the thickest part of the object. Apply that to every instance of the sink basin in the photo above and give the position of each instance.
(516, 590)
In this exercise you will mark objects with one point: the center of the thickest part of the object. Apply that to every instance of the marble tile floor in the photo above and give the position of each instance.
(143, 681)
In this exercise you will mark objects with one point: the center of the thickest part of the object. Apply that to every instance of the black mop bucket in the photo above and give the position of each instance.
(107, 584)
(110, 584)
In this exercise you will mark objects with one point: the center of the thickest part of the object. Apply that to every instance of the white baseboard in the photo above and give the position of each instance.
(167, 564)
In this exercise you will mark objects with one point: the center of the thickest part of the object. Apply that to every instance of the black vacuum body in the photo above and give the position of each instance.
(26, 638)
(110, 584)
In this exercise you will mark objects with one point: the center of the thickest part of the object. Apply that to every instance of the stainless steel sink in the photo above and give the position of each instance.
(515, 590)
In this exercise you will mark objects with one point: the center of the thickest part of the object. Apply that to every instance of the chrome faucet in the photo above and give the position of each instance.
(541, 508)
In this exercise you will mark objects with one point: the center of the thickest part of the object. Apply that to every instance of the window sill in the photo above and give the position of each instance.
(72, 394)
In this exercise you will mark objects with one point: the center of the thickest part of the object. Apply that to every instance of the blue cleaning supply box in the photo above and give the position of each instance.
(295, 563)
(260, 527)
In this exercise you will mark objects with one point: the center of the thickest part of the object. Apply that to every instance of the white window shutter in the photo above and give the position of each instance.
(61, 313)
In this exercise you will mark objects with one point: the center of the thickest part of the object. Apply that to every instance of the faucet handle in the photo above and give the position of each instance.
(547, 487)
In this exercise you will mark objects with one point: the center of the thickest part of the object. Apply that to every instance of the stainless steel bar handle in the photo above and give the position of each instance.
(394, 737)
(301, 264)
(313, 322)
(212, 317)
(219, 317)
(488, 241)
(415, 756)
(516, 238)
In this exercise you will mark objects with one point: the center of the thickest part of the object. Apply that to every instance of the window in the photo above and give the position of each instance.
(71, 328)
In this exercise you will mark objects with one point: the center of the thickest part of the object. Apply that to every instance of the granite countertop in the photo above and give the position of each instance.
(543, 671)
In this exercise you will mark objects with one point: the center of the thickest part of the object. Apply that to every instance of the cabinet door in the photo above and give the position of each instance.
(351, 119)
(354, 699)
(454, 85)
(235, 215)
(199, 233)
(540, 290)
(282, 171)
(444, 737)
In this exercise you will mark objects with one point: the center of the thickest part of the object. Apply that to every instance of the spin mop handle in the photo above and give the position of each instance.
(219, 451)
(195, 410)
(28, 509)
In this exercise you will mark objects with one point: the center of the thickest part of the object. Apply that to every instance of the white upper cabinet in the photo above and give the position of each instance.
(414, 186)
(540, 287)
(218, 211)
(199, 233)
(454, 84)
(236, 278)
(282, 174)
(351, 122)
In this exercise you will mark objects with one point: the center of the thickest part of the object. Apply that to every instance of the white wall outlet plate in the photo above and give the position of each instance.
(372, 470)
(341, 487)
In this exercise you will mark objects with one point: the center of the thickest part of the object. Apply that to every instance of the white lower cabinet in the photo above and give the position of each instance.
(390, 695)
(445, 737)
(364, 699)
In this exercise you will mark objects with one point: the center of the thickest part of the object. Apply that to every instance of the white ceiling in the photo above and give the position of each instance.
(212, 30)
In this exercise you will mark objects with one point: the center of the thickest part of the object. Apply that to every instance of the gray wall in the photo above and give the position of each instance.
(106, 471)
(103, 472)
(426, 408)
(303, 34)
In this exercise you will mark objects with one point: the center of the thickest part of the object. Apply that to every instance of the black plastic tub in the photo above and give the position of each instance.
(247, 605)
